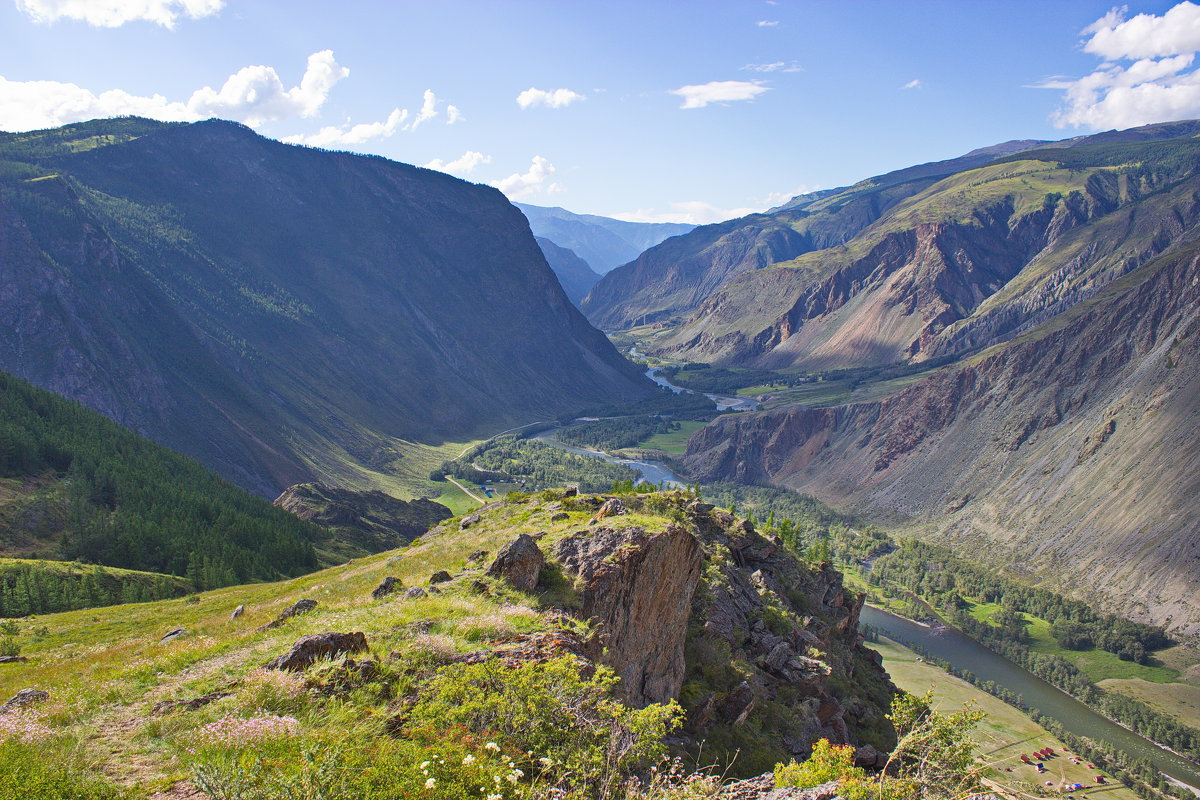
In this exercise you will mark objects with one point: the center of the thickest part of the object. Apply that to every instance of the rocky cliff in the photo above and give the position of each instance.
(278, 312)
(1070, 453)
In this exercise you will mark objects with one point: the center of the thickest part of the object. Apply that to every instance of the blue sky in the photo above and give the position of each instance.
(682, 111)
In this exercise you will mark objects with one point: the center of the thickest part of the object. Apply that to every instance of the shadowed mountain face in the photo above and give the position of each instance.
(576, 277)
(281, 313)
(602, 242)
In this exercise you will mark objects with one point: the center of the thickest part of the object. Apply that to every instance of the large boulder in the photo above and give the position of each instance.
(387, 586)
(519, 563)
(24, 699)
(306, 651)
(638, 586)
(299, 607)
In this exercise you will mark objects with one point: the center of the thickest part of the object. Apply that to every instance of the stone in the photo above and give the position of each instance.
(387, 586)
(306, 651)
(763, 788)
(167, 706)
(519, 563)
(441, 576)
(570, 491)
(24, 699)
(638, 588)
(237, 612)
(477, 557)
(868, 757)
(13, 659)
(299, 607)
(172, 634)
(468, 521)
(736, 707)
(612, 508)
(414, 592)
(560, 516)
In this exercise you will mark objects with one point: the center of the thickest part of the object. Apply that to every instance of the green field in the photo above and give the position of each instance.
(675, 441)
(1003, 735)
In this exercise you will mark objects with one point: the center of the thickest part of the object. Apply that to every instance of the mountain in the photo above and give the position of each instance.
(678, 282)
(75, 485)
(1057, 290)
(281, 313)
(602, 242)
(576, 277)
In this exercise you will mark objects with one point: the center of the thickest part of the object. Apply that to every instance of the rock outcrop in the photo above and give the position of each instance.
(519, 563)
(24, 699)
(305, 652)
(369, 522)
(637, 587)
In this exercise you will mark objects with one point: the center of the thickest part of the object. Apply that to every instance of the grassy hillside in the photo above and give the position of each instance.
(75, 485)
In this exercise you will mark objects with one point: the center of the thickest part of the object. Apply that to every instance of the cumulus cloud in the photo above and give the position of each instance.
(1147, 74)
(114, 13)
(253, 95)
(775, 66)
(702, 94)
(767, 23)
(453, 115)
(334, 136)
(692, 212)
(915, 83)
(555, 98)
(531, 182)
(428, 109)
(463, 165)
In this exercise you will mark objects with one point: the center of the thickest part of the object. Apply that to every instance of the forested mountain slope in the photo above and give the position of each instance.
(281, 313)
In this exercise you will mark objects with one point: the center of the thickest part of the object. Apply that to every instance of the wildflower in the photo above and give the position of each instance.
(469, 759)
(23, 725)
(495, 797)
(545, 762)
(430, 783)
(236, 731)
(492, 746)
(424, 765)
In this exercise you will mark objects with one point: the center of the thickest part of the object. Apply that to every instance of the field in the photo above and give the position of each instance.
(1003, 735)
(673, 442)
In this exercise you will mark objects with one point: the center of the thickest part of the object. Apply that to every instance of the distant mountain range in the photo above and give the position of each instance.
(283, 314)
(603, 242)
(1055, 284)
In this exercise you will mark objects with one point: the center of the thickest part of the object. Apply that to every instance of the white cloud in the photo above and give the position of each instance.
(778, 198)
(463, 165)
(915, 83)
(776, 66)
(767, 23)
(692, 212)
(114, 13)
(1155, 84)
(334, 136)
(428, 109)
(532, 182)
(453, 115)
(555, 98)
(701, 94)
(253, 95)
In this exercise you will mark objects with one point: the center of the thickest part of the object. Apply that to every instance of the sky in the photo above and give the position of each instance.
(654, 110)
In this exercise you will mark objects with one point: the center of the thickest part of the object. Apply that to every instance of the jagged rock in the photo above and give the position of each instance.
(519, 563)
(167, 706)
(468, 521)
(638, 586)
(387, 586)
(172, 634)
(237, 612)
(302, 606)
(13, 659)
(321, 645)
(477, 557)
(24, 699)
(560, 516)
(738, 705)
(441, 576)
(612, 507)
(868, 757)
(763, 788)
(570, 491)
(414, 592)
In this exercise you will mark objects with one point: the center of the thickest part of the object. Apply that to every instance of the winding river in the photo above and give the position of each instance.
(964, 653)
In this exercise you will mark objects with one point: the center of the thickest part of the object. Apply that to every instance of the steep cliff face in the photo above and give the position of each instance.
(576, 277)
(278, 312)
(1071, 451)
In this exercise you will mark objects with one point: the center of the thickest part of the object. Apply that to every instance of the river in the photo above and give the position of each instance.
(964, 653)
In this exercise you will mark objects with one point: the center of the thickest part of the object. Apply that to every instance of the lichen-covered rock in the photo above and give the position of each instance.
(306, 651)
(441, 576)
(167, 706)
(638, 587)
(612, 507)
(24, 699)
(302, 606)
(387, 586)
(468, 521)
(519, 563)
(414, 592)
(762, 787)
(237, 612)
(172, 635)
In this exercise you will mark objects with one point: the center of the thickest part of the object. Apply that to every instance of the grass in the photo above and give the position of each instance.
(1179, 700)
(1099, 665)
(675, 441)
(1003, 735)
